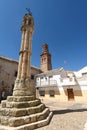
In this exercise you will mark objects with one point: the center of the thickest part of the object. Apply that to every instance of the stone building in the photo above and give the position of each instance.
(8, 74)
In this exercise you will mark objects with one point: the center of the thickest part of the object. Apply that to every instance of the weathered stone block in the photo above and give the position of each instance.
(3, 104)
(40, 117)
(9, 104)
(20, 98)
(18, 112)
(10, 98)
(46, 113)
(4, 120)
(42, 124)
(34, 103)
(39, 108)
(33, 119)
(21, 105)
(5, 112)
(32, 127)
(27, 120)
(43, 107)
(30, 111)
(16, 122)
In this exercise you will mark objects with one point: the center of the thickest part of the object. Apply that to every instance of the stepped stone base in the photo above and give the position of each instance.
(23, 113)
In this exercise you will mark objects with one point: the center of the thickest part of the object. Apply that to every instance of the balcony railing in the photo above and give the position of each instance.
(46, 83)
(67, 81)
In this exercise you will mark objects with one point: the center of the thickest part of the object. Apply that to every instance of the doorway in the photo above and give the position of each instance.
(70, 94)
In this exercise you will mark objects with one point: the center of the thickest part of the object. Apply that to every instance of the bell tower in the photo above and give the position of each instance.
(45, 59)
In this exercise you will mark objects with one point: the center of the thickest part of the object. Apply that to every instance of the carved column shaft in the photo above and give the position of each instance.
(24, 85)
(29, 56)
(21, 55)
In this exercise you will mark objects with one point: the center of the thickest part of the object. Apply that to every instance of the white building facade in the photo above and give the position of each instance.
(63, 85)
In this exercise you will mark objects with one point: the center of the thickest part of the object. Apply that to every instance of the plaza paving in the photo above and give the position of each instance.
(67, 116)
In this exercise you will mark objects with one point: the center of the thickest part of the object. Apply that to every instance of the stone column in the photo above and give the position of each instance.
(21, 56)
(25, 56)
(23, 84)
(29, 56)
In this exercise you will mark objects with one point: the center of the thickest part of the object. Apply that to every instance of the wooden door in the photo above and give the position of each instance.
(70, 94)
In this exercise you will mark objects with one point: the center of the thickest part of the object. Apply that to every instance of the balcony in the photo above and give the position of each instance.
(46, 84)
(68, 81)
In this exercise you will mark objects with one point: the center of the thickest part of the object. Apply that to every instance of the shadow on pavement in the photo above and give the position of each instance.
(55, 112)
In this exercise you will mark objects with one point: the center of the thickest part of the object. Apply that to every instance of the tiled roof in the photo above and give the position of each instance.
(51, 72)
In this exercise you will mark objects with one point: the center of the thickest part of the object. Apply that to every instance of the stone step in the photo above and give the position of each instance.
(17, 112)
(20, 104)
(31, 126)
(20, 98)
(17, 121)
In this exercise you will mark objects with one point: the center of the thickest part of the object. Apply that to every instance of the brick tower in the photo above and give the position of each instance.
(22, 110)
(45, 59)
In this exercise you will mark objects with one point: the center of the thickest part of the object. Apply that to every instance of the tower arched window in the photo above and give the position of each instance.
(42, 60)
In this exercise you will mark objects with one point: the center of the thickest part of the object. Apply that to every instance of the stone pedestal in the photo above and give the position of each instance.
(20, 112)
(24, 87)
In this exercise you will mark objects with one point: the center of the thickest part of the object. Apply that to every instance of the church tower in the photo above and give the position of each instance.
(45, 59)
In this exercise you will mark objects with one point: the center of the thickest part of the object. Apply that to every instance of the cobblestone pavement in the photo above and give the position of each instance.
(67, 116)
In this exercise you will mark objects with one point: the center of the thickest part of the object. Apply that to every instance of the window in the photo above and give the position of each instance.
(52, 93)
(44, 59)
(32, 76)
(15, 74)
(51, 76)
(84, 74)
(46, 78)
(41, 77)
(37, 79)
(42, 92)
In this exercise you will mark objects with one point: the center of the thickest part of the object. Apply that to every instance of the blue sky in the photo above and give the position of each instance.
(62, 24)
